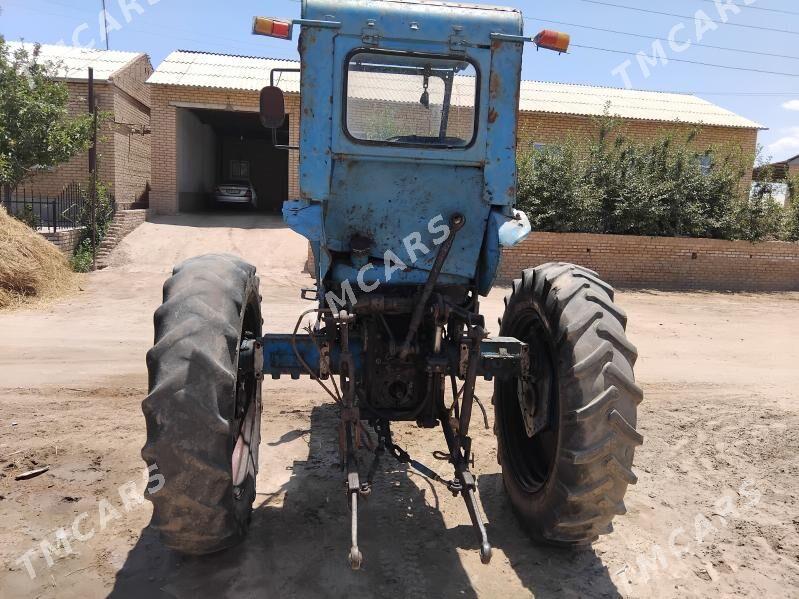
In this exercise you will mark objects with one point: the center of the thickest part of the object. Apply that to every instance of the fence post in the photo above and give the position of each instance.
(93, 166)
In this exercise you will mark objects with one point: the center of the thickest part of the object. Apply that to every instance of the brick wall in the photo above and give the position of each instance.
(658, 262)
(373, 119)
(132, 167)
(132, 79)
(662, 262)
(51, 182)
(165, 102)
(123, 159)
(64, 240)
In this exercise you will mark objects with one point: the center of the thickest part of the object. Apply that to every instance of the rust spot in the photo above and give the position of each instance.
(496, 45)
(492, 115)
(495, 84)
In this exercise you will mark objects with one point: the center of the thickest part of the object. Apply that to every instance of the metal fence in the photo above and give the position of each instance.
(51, 213)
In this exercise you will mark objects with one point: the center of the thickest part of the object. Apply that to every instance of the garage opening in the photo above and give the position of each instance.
(227, 160)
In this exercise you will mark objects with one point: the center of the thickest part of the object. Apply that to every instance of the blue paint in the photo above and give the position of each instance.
(305, 218)
(387, 192)
(280, 357)
(377, 274)
(390, 201)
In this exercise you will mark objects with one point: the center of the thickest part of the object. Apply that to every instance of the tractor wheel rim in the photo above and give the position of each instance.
(531, 459)
(244, 461)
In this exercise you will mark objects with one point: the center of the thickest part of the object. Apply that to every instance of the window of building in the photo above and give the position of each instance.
(240, 169)
(705, 163)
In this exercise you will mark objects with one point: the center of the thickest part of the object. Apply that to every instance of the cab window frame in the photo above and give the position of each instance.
(423, 55)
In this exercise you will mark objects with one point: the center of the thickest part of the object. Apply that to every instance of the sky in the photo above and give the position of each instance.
(642, 50)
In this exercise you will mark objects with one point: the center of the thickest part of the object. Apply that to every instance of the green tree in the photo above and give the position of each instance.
(554, 192)
(791, 227)
(35, 127)
(661, 187)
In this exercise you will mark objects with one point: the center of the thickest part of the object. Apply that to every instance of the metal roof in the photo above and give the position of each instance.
(568, 98)
(223, 71)
(198, 69)
(72, 63)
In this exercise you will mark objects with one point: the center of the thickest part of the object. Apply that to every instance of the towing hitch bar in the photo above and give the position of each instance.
(500, 357)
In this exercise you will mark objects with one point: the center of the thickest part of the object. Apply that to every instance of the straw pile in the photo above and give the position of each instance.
(31, 268)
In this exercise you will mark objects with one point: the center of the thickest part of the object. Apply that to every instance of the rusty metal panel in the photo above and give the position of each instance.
(416, 22)
(387, 201)
(503, 102)
(316, 110)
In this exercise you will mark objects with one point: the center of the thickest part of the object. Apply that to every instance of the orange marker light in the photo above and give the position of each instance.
(271, 27)
(553, 40)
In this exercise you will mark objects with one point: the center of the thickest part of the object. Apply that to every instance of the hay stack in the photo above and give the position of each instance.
(30, 266)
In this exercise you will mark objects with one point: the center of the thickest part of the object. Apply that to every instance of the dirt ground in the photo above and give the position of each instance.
(714, 513)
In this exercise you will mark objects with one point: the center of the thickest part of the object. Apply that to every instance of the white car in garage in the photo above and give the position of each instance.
(236, 192)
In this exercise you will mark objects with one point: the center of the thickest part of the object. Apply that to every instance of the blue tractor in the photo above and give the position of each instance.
(407, 167)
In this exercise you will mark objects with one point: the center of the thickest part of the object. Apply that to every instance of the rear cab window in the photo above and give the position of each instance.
(407, 99)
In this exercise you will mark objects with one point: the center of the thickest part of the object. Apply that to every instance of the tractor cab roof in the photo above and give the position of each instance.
(416, 21)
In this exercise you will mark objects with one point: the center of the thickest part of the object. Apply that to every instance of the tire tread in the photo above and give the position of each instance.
(598, 403)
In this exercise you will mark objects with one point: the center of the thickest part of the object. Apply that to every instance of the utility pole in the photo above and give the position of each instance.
(105, 25)
(93, 168)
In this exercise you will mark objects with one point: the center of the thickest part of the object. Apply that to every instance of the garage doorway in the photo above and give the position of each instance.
(219, 147)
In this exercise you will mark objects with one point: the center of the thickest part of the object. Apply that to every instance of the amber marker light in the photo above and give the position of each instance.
(553, 40)
(271, 27)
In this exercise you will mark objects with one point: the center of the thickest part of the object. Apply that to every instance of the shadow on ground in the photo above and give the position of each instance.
(242, 217)
(545, 571)
(298, 549)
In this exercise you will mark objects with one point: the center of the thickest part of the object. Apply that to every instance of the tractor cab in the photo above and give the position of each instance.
(408, 117)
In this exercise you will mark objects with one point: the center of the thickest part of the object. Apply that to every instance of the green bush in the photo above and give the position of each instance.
(761, 216)
(81, 260)
(665, 187)
(103, 215)
(553, 192)
(791, 221)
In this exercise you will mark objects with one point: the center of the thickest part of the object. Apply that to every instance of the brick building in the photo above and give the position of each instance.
(206, 130)
(205, 124)
(778, 171)
(123, 151)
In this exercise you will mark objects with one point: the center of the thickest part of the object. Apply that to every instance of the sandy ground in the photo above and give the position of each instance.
(714, 513)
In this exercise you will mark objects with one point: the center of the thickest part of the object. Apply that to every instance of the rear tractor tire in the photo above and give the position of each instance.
(566, 473)
(203, 410)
